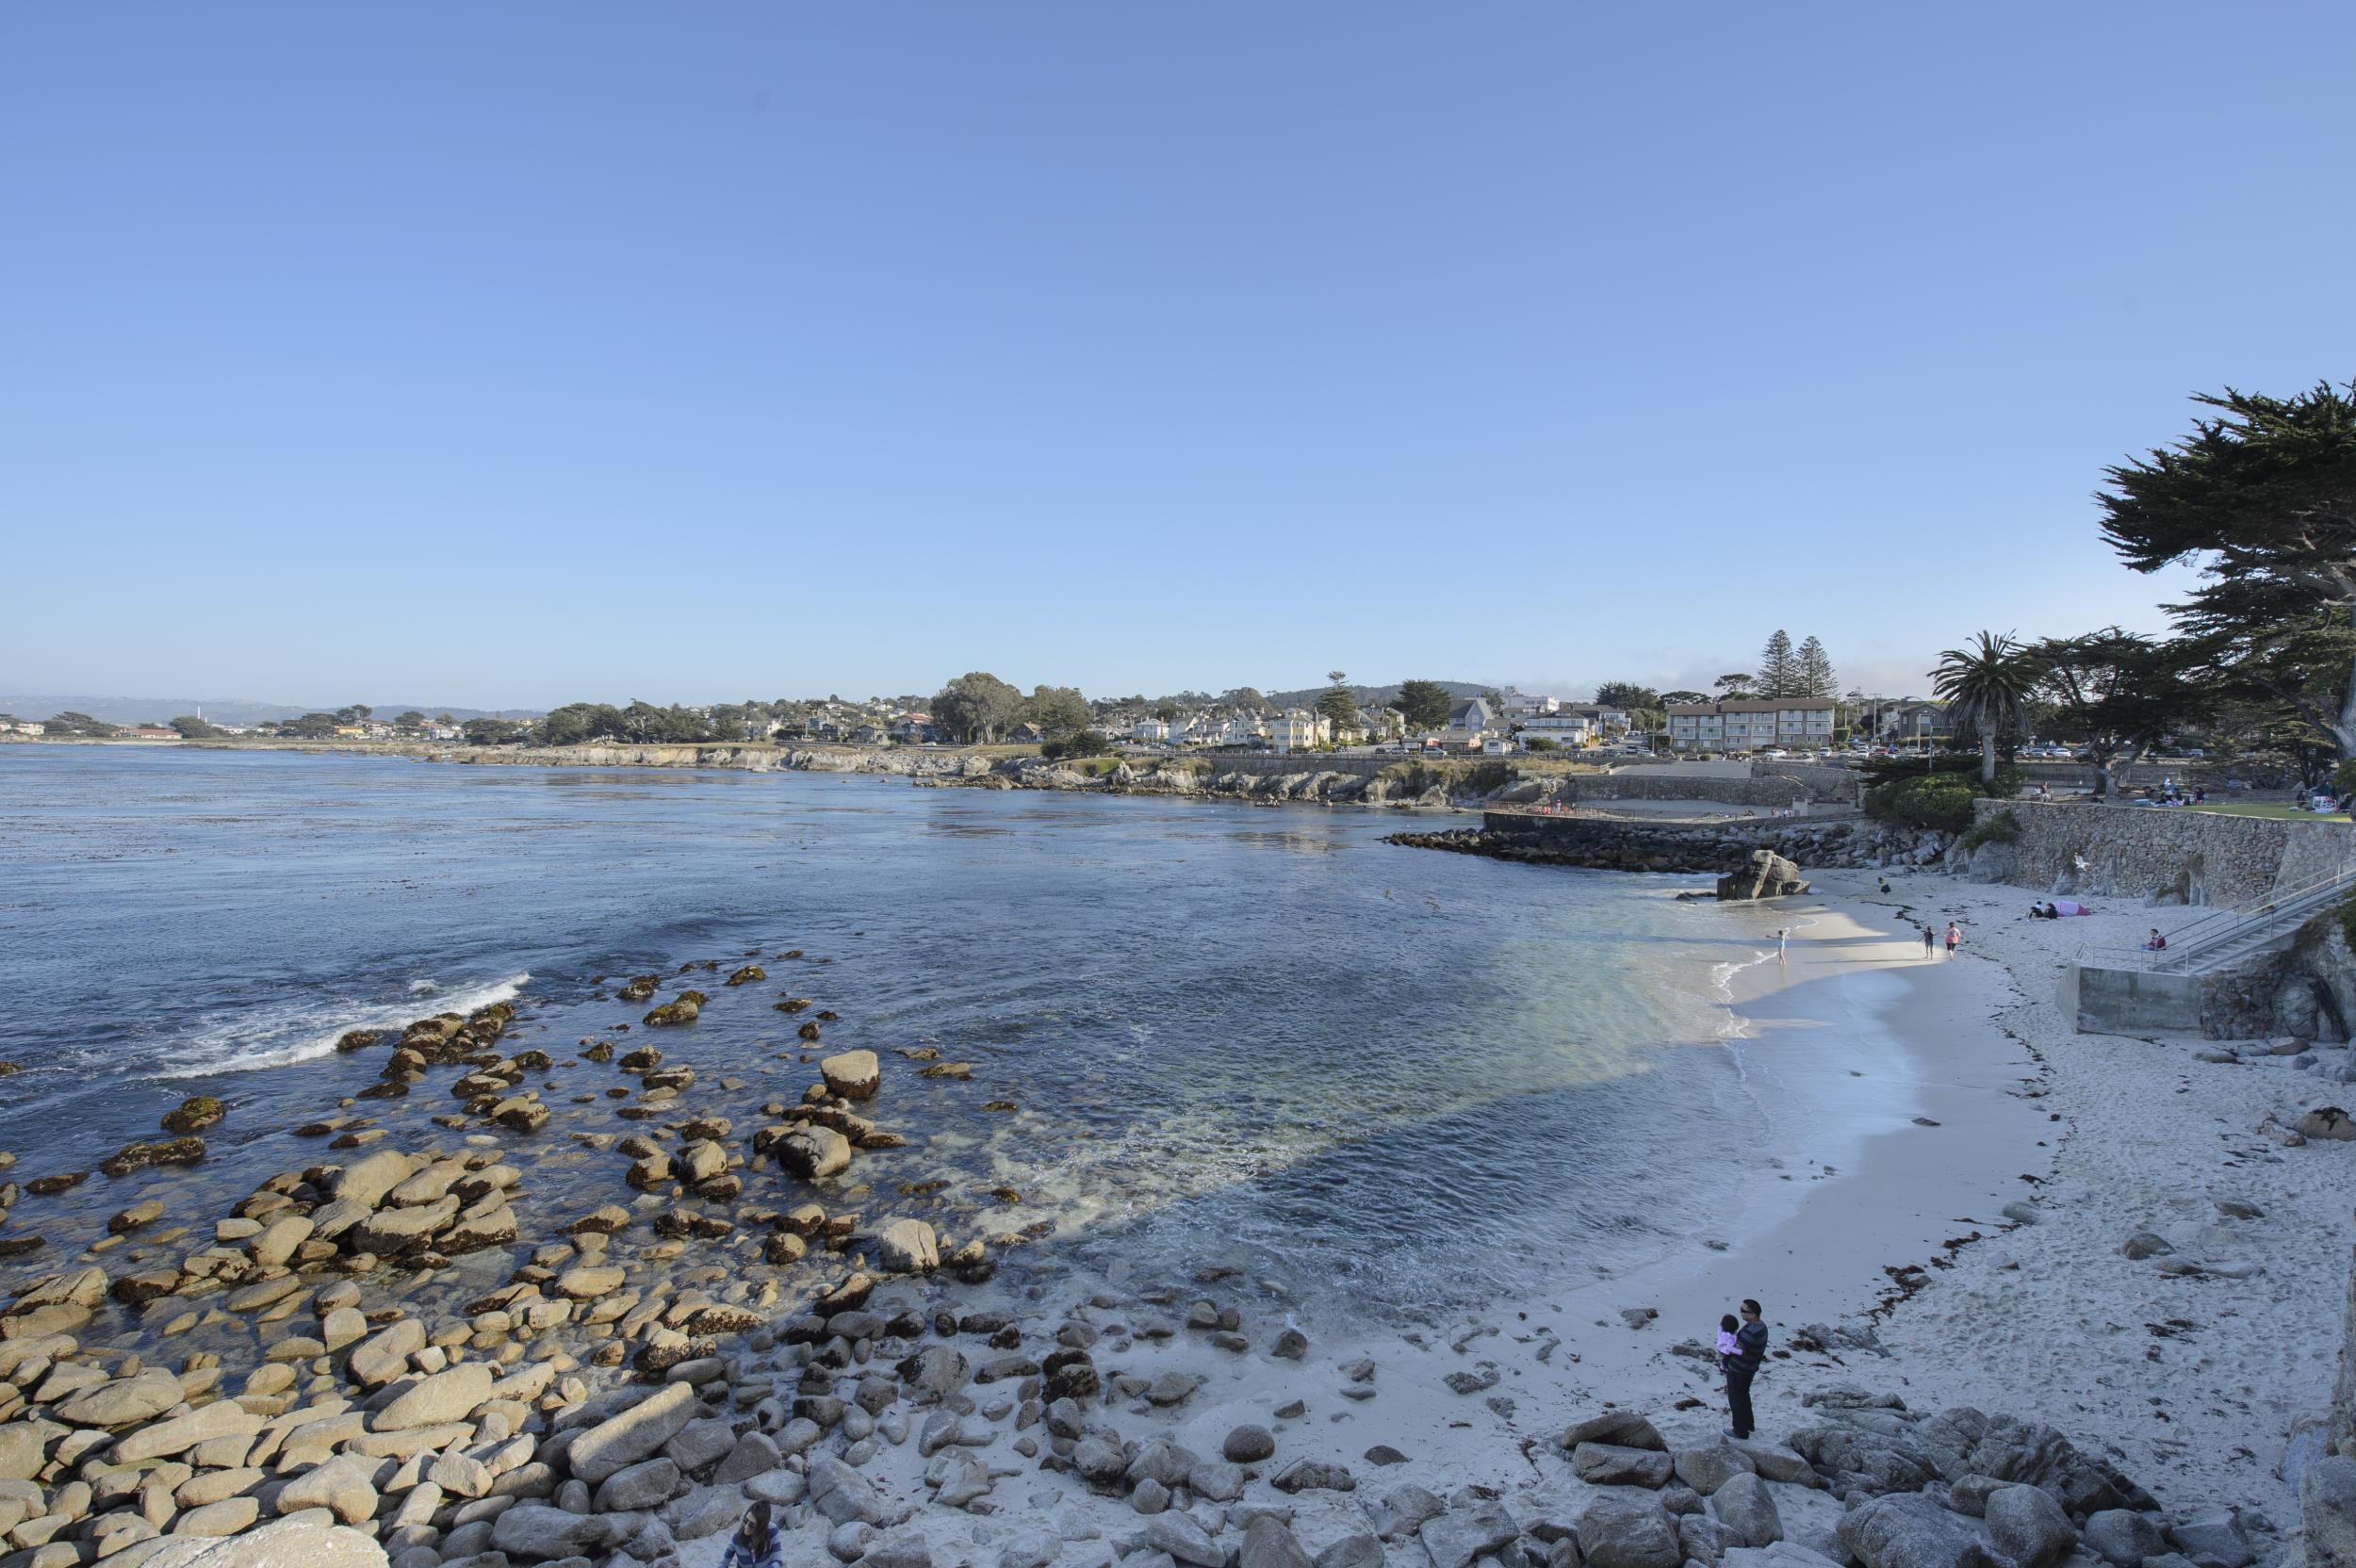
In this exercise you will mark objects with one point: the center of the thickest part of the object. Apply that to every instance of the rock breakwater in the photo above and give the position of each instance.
(1608, 844)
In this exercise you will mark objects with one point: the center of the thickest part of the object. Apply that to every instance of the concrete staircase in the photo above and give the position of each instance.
(2230, 937)
(2129, 990)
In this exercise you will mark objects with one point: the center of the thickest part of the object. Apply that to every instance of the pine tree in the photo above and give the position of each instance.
(1815, 671)
(1778, 671)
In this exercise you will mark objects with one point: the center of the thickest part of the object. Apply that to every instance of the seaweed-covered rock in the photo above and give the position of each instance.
(684, 1008)
(746, 975)
(139, 1156)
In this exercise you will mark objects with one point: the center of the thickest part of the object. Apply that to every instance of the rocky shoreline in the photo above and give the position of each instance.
(401, 1353)
(1611, 843)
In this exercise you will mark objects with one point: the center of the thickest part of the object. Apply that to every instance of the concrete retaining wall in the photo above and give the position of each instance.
(2172, 854)
(2128, 1001)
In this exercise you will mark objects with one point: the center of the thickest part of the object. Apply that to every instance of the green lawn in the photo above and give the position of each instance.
(2263, 808)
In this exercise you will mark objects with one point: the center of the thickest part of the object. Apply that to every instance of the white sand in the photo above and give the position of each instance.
(2046, 1320)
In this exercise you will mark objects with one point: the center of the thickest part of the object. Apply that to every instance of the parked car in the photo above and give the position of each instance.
(1774, 754)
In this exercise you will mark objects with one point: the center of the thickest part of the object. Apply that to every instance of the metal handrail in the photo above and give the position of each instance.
(2205, 936)
(2282, 908)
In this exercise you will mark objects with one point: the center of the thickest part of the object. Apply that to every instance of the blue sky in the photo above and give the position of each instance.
(508, 356)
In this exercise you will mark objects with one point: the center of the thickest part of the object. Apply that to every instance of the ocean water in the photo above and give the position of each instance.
(1393, 1080)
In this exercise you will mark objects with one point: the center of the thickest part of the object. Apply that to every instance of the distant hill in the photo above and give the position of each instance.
(1371, 697)
(240, 710)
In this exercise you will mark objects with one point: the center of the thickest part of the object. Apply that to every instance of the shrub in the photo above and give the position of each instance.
(1941, 800)
(1080, 743)
(1540, 742)
(1999, 827)
(1488, 775)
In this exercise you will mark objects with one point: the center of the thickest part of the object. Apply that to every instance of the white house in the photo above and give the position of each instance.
(1522, 705)
(1151, 731)
(1569, 730)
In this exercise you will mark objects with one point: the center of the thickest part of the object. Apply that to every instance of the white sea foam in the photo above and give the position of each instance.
(282, 1033)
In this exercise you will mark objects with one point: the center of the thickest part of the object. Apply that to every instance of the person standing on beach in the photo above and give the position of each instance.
(1783, 936)
(1928, 940)
(1750, 1342)
(1955, 935)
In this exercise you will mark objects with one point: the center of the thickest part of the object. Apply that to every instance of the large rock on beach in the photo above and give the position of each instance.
(1747, 1512)
(124, 1401)
(1625, 1427)
(1617, 1532)
(1767, 875)
(307, 1542)
(2027, 1526)
(1912, 1531)
(1457, 1536)
(437, 1400)
(536, 1532)
(624, 1439)
(1608, 1464)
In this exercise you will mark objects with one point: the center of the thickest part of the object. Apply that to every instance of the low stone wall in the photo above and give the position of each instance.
(2169, 853)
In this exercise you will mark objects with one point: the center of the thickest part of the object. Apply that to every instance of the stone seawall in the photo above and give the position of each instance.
(2171, 854)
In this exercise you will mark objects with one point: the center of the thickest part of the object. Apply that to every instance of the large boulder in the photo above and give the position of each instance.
(2213, 1540)
(907, 1247)
(436, 1400)
(539, 1532)
(345, 1486)
(813, 1152)
(2124, 1536)
(1608, 1464)
(369, 1179)
(622, 1440)
(1625, 1427)
(1460, 1535)
(384, 1355)
(2027, 1526)
(1747, 1512)
(280, 1545)
(1767, 874)
(1911, 1532)
(1856, 1459)
(1708, 1469)
(851, 1075)
(1963, 1442)
(123, 1402)
(1618, 1533)
(2327, 1512)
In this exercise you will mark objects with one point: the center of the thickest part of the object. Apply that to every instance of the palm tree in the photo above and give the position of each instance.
(1986, 691)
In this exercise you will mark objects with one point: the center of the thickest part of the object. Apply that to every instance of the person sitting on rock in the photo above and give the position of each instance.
(758, 1543)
